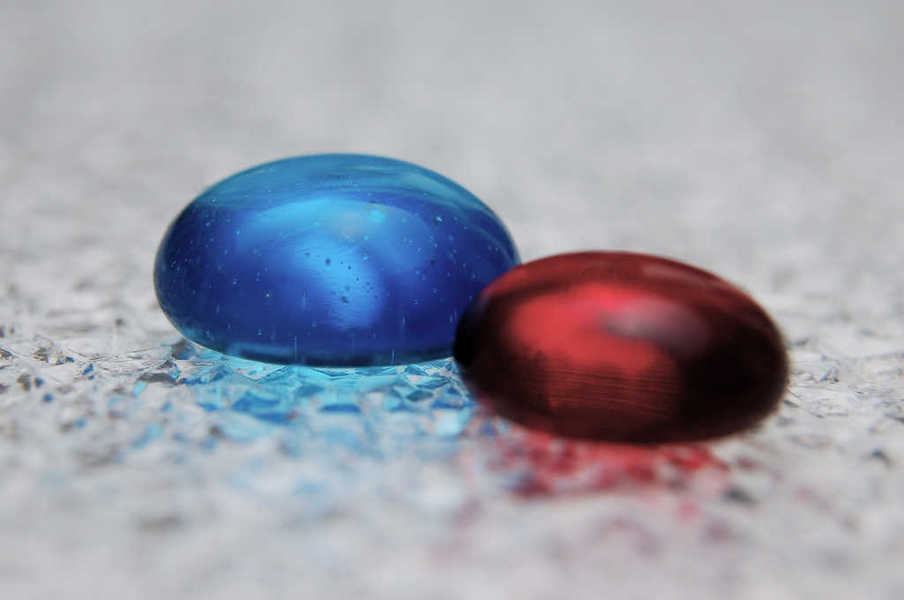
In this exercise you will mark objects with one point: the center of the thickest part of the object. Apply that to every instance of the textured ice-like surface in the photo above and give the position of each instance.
(761, 143)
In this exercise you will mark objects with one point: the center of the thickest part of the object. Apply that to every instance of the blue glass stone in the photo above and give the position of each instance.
(333, 259)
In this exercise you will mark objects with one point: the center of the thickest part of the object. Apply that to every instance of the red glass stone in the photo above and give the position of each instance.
(621, 347)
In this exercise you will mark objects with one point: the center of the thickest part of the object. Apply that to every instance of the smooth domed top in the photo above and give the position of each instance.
(335, 259)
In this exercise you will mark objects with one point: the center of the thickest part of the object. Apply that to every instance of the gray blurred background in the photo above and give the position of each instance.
(760, 140)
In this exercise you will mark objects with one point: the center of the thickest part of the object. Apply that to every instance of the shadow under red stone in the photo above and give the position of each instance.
(541, 465)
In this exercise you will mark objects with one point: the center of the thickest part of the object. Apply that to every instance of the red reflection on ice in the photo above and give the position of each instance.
(538, 464)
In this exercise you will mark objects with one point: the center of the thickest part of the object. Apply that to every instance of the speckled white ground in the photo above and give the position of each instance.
(762, 141)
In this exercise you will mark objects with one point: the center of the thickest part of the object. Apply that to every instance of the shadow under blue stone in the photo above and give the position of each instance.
(375, 411)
